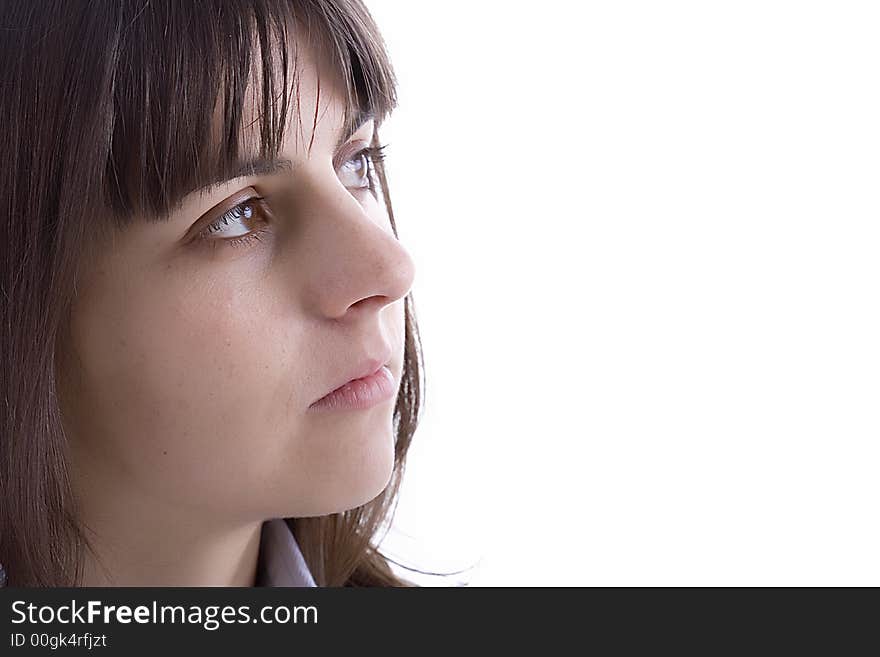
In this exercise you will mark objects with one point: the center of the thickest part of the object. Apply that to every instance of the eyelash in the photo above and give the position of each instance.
(374, 154)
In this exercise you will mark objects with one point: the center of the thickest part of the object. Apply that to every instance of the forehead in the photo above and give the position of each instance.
(200, 108)
(316, 95)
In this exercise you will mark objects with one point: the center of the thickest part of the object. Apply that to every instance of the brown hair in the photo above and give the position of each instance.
(106, 107)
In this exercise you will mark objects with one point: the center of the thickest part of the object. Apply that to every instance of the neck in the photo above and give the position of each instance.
(137, 541)
(134, 559)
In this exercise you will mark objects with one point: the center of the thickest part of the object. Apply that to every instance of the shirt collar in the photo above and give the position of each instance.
(281, 562)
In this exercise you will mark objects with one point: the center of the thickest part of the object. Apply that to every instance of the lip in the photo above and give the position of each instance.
(359, 393)
(362, 386)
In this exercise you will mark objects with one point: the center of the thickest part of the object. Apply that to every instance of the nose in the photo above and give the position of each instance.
(349, 260)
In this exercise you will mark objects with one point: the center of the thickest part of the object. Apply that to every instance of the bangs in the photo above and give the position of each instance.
(182, 68)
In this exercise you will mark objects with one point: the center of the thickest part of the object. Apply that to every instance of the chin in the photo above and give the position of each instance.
(349, 493)
(366, 491)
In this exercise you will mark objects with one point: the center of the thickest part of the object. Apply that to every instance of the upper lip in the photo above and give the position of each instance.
(366, 366)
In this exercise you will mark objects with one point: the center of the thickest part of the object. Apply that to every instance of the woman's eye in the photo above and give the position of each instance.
(233, 227)
(357, 171)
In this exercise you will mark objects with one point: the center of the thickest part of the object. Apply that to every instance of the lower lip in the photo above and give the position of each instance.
(360, 393)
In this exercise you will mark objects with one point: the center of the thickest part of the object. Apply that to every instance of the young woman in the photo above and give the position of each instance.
(211, 369)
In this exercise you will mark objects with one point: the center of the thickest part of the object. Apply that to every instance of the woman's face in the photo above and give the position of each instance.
(193, 362)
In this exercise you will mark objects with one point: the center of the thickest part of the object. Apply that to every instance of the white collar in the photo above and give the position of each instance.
(281, 562)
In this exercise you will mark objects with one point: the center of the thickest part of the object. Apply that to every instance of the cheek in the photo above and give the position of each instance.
(198, 396)
(180, 389)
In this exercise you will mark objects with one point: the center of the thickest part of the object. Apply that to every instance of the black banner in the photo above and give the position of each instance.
(133, 621)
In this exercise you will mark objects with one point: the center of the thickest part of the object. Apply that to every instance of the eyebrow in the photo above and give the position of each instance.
(259, 166)
(263, 166)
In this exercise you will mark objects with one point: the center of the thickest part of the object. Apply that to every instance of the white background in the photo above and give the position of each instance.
(646, 240)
